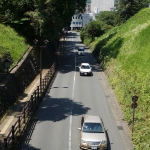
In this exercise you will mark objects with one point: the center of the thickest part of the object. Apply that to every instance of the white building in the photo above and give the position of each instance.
(93, 7)
(102, 5)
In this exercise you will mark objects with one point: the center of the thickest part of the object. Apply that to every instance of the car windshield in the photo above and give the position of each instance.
(92, 128)
(80, 49)
(85, 67)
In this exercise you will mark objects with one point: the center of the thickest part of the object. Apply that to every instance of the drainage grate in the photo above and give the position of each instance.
(120, 127)
(107, 95)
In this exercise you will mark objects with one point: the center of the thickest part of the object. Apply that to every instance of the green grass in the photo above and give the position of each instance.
(11, 42)
(125, 51)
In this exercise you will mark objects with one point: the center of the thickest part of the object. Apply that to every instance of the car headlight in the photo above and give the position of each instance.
(104, 142)
(83, 141)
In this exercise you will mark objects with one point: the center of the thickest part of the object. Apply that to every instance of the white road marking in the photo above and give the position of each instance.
(72, 105)
(7, 125)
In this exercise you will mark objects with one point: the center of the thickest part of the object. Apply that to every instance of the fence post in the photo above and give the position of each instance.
(38, 91)
(31, 107)
(48, 75)
(45, 81)
(13, 136)
(35, 96)
(24, 115)
(5, 143)
(19, 125)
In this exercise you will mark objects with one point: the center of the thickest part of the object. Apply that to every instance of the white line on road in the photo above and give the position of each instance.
(72, 105)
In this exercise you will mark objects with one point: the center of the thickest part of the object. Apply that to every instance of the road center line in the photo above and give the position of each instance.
(70, 123)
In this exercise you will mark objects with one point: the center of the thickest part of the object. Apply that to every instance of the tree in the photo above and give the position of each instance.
(50, 16)
(91, 30)
(127, 8)
(107, 17)
(47, 17)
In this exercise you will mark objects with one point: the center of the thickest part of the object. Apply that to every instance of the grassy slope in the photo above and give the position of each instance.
(11, 42)
(127, 61)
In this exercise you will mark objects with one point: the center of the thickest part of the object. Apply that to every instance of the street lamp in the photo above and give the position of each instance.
(35, 42)
(7, 61)
(134, 105)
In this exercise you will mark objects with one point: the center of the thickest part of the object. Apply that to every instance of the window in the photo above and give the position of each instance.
(92, 128)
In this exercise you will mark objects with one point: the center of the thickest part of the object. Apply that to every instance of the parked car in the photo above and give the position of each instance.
(85, 69)
(92, 133)
(81, 50)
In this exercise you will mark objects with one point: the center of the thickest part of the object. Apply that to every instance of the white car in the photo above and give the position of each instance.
(85, 69)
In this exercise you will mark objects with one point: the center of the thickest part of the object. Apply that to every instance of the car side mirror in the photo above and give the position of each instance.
(79, 129)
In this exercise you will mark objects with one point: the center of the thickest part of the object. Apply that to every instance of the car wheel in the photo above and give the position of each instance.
(80, 74)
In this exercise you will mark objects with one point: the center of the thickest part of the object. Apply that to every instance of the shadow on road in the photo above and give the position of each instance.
(55, 109)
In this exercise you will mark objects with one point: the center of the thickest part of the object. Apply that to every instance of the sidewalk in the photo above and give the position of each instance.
(11, 118)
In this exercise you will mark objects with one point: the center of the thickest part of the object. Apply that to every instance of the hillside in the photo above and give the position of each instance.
(11, 41)
(124, 52)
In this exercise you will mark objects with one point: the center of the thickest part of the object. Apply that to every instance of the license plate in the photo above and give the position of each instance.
(85, 73)
(93, 147)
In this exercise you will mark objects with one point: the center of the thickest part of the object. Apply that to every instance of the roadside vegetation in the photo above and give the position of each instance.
(11, 42)
(124, 54)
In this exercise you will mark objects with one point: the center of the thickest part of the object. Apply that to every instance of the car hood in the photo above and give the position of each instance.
(93, 136)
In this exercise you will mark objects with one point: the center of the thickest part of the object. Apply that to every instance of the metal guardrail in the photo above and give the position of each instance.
(25, 116)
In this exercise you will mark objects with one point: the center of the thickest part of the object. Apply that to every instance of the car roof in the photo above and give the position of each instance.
(81, 47)
(86, 64)
(94, 119)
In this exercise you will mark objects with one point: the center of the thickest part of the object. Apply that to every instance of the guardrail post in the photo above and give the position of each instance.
(5, 143)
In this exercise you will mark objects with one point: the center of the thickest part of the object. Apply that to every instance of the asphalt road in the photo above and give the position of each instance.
(67, 99)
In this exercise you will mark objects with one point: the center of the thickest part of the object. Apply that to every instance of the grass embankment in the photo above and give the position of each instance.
(126, 53)
(11, 42)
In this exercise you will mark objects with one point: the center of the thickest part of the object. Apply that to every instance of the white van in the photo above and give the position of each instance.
(81, 50)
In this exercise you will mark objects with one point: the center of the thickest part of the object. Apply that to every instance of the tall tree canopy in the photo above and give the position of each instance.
(127, 8)
(47, 17)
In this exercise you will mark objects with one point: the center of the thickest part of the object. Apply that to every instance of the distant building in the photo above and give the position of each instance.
(77, 22)
(88, 6)
(93, 7)
(102, 5)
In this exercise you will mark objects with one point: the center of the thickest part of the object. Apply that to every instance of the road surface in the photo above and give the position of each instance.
(68, 98)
